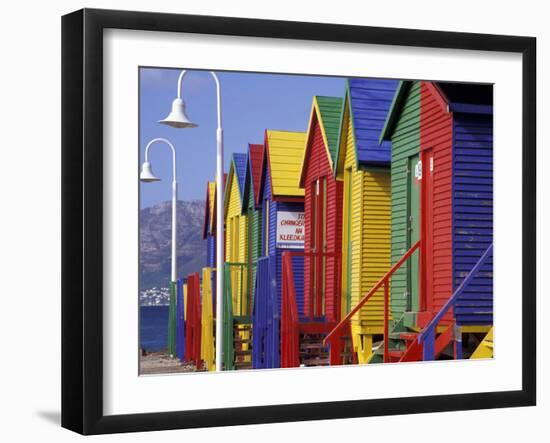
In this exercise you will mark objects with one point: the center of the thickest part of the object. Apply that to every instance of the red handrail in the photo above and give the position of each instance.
(290, 317)
(383, 281)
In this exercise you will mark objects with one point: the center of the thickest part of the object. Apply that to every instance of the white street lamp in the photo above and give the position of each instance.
(147, 176)
(178, 119)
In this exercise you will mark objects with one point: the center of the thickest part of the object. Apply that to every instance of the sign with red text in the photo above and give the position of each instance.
(290, 230)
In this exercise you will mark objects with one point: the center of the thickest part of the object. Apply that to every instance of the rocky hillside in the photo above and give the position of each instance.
(155, 227)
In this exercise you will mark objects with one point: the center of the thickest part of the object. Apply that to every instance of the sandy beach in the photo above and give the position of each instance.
(161, 363)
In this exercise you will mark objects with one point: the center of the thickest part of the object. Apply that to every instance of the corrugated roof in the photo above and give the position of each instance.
(285, 151)
(370, 101)
(256, 158)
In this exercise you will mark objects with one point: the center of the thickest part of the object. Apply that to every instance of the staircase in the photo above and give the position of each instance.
(402, 344)
(312, 350)
(237, 319)
(303, 334)
(404, 347)
(242, 345)
(314, 353)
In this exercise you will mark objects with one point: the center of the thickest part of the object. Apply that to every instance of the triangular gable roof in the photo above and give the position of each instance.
(256, 161)
(397, 104)
(327, 111)
(454, 97)
(284, 151)
(368, 102)
(237, 168)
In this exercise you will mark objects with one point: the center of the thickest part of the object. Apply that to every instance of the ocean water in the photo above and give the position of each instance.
(153, 327)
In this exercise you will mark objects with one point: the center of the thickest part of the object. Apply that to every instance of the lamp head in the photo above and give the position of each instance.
(177, 117)
(146, 174)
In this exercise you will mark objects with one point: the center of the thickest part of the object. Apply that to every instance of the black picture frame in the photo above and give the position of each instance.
(82, 215)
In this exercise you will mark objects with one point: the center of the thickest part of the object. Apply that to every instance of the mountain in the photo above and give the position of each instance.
(155, 230)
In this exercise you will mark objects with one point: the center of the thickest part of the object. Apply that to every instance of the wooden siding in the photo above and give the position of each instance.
(236, 241)
(405, 143)
(211, 251)
(473, 214)
(318, 166)
(266, 317)
(436, 143)
(369, 226)
(329, 109)
(254, 232)
(376, 238)
(285, 150)
(253, 182)
(256, 157)
(277, 253)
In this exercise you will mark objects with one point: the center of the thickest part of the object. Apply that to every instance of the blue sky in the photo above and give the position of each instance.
(251, 103)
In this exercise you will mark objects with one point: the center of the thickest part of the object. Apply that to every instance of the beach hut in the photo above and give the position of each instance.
(208, 284)
(323, 210)
(323, 196)
(363, 166)
(281, 202)
(442, 195)
(180, 319)
(253, 209)
(208, 350)
(193, 321)
(237, 296)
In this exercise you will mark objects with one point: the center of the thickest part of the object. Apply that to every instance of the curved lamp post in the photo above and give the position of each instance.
(178, 119)
(147, 176)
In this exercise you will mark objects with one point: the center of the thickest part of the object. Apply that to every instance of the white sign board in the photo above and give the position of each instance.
(290, 230)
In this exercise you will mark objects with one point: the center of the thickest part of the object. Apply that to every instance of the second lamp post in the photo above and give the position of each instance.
(178, 119)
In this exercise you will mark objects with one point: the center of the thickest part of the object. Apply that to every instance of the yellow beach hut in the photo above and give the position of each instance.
(364, 167)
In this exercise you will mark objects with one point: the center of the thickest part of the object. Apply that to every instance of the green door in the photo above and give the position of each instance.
(413, 229)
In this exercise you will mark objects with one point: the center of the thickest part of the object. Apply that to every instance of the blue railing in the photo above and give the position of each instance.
(427, 336)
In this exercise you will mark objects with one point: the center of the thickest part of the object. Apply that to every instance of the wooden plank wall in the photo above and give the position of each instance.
(436, 134)
(473, 214)
(405, 143)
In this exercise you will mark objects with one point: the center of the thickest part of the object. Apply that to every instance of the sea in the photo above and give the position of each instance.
(153, 328)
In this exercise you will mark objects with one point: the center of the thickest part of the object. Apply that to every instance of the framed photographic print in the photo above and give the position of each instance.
(270, 221)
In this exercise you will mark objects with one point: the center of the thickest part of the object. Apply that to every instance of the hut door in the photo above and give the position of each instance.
(318, 244)
(414, 172)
